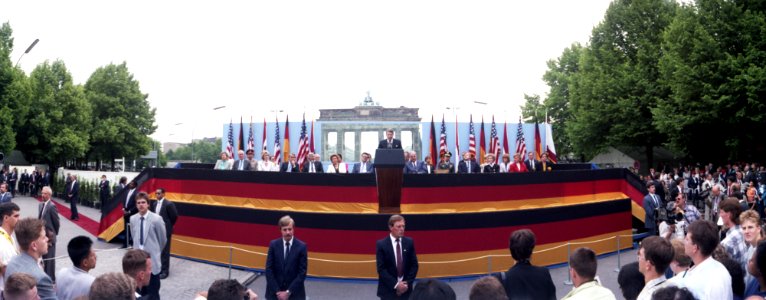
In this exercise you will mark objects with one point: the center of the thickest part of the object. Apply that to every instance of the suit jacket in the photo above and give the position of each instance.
(293, 168)
(536, 163)
(386, 265)
(416, 169)
(525, 281)
(246, 165)
(169, 214)
(462, 167)
(358, 167)
(103, 190)
(424, 169)
(650, 221)
(6, 197)
(154, 237)
(74, 191)
(494, 168)
(674, 192)
(23, 263)
(286, 274)
(51, 218)
(395, 144)
(514, 168)
(317, 166)
(129, 204)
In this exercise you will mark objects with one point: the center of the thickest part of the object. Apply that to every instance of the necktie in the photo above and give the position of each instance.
(399, 261)
(41, 211)
(656, 204)
(241, 165)
(389, 144)
(363, 169)
(142, 232)
(467, 163)
(289, 168)
(311, 167)
(287, 250)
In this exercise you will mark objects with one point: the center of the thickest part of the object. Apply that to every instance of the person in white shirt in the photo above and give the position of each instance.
(582, 269)
(9, 248)
(654, 256)
(708, 279)
(680, 263)
(266, 164)
(75, 282)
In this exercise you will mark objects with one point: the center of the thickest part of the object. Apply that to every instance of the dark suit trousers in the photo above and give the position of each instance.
(73, 207)
(49, 263)
(165, 257)
(152, 291)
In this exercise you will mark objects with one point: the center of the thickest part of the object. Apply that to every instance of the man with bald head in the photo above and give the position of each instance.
(712, 202)
(241, 164)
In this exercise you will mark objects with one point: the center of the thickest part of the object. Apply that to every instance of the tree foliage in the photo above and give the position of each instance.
(59, 117)
(204, 152)
(122, 117)
(14, 93)
(560, 77)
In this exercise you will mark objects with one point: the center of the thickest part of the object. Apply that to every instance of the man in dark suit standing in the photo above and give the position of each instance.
(129, 209)
(241, 164)
(12, 178)
(364, 166)
(652, 203)
(468, 165)
(286, 264)
(167, 210)
(50, 215)
(74, 197)
(397, 262)
(312, 164)
(390, 142)
(290, 166)
(533, 165)
(523, 280)
(104, 190)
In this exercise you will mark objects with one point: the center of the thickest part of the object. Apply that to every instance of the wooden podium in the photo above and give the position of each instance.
(389, 171)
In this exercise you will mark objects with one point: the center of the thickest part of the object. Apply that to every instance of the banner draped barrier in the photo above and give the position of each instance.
(457, 221)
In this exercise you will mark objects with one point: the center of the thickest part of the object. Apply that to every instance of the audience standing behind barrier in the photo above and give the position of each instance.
(582, 270)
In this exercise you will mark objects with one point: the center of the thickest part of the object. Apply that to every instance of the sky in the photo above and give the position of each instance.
(264, 59)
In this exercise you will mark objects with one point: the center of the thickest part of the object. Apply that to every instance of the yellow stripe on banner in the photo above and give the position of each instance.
(505, 205)
(362, 266)
(275, 204)
(638, 211)
(113, 230)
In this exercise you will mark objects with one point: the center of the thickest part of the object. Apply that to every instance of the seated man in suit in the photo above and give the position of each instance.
(533, 165)
(413, 166)
(390, 142)
(428, 166)
(468, 165)
(286, 264)
(290, 166)
(523, 280)
(33, 243)
(365, 165)
(397, 262)
(312, 164)
(241, 164)
(491, 166)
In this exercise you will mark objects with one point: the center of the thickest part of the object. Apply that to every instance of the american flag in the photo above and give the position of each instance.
(277, 151)
(230, 145)
(471, 138)
(443, 139)
(494, 141)
(521, 145)
(250, 138)
(457, 144)
(303, 143)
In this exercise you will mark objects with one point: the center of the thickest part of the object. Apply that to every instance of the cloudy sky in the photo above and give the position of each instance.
(261, 57)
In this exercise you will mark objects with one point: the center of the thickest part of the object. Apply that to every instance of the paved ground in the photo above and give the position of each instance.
(188, 277)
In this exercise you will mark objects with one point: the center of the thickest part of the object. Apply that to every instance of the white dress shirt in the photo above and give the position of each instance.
(72, 283)
(709, 280)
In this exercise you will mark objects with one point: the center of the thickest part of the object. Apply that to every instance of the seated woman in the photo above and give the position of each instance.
(505, 163)
(266, 164)
(224, 163)
(337, 165)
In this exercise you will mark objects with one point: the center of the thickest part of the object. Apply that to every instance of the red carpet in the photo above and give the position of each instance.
(84, 222)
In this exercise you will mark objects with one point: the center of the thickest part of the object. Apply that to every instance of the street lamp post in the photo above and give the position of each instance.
(27, 51)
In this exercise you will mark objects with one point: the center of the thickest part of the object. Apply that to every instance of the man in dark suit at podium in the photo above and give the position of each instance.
(390, 142)
(397, 262)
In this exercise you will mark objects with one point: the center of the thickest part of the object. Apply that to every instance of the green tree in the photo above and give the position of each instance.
(204, 152)
(560, 78)
(58, 128)
(532, 109)
(714, 66)
(14, 93)
(618, 83)
(122, 117)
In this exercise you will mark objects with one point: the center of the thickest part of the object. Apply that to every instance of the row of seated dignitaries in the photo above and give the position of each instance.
(468, 165)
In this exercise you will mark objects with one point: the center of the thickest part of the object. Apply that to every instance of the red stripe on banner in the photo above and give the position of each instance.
(633, 193)
(429, 195)
(109, 219)
(428, 242)
(366, 194)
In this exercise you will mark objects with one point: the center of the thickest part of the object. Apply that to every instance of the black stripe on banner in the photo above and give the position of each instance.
(312, 179)
(457, 180)
(376, 222)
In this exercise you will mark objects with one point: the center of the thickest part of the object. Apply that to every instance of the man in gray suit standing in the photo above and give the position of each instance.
(48, 212)
(148, 231)
(33, 242)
